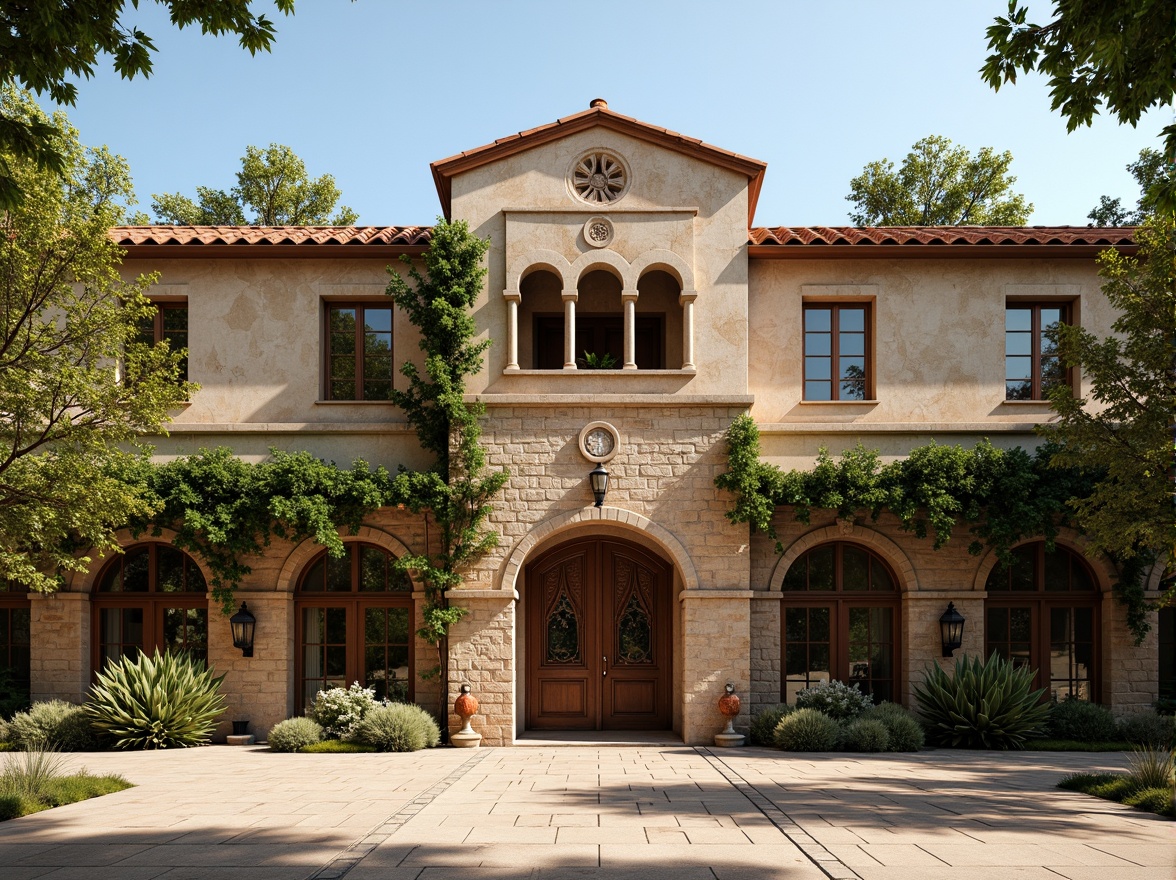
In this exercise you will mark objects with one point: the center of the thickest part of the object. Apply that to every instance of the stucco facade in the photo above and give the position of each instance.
(660, 265)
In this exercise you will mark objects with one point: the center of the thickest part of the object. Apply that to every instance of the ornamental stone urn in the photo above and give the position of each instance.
(465, 706)
(729, 708)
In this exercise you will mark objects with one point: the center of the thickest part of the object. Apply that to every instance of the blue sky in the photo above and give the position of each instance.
(373, 91)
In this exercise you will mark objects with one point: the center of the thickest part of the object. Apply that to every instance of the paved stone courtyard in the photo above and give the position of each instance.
(646, 813)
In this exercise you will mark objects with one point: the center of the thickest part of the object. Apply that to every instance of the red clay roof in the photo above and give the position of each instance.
(597, 115)
(801, 242)
(806, 242)
(257, 241)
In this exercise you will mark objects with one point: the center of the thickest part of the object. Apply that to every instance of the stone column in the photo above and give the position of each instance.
(569, 300)
(686, 299)
(59, 631)
(481, 653)
(512, 297)
(716, 642)
(629, 301)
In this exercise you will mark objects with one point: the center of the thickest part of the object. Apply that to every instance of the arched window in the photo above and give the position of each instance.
(840, 621)
(14, 647)
(152, 596)
(1042, 612)
(355, 623)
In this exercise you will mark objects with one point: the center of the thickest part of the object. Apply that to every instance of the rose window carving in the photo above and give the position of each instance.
(599, 178)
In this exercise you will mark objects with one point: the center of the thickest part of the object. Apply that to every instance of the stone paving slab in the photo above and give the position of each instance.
(654, 813)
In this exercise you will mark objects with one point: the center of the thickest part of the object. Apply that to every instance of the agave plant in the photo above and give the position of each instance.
(984, 704)
(159, 702)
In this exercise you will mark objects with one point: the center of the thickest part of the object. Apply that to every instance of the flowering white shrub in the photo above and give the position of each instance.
(840, 701)
(340, 710)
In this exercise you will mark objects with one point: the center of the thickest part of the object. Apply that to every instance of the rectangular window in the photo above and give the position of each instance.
(359, 352)
(170, 323)
(836, 351)
(1032, 365)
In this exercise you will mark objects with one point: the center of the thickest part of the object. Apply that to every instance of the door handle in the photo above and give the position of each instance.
(605, 672)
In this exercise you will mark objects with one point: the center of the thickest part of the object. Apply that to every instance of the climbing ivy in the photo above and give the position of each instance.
(457, 489)
(226, 509)
(1004, 496)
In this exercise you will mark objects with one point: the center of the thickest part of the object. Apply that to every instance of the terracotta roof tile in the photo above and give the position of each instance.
(940, 236)
(282, 236)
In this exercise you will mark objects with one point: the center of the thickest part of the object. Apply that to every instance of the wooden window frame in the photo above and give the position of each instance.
(1067, 310)
(153, 602)
(834, 350)
(355, 602)
(159, 334)
(360, 308)
(15, 598)
(1040, 602)
(840, 602)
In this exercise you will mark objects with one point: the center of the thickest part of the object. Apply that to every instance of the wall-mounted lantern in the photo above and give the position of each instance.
(243, 624)
(598, 478)
(951, 629)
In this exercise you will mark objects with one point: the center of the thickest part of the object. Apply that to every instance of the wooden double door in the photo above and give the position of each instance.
(599, 632)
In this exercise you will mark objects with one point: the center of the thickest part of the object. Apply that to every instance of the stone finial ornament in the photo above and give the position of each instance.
(729, 705)
(466, 706)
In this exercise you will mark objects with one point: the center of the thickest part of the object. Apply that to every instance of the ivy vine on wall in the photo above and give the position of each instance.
(1004, 496)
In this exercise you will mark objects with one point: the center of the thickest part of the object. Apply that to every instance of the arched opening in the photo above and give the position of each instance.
(355, 623)
(1042, 613)
(659, 315)
(151, 597)
(599, 637)
(541, 318)
(840, 621)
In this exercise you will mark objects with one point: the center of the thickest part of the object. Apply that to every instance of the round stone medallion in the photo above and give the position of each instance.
(599, 441)
(599, 177)
(598, 232)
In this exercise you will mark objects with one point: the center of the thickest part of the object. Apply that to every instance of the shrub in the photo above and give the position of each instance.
(865, 735)
(806, 730)
(984, 704)
(339, 710)
(1148, 729)
(1151, 768)
(32, 781)
(840, 701)
(1080, 721)
(1154, 800)
(159, 702)
(905, 731)
(293, 734)
(400, 727)
(5, 732)
(63, 726)
(763, 725)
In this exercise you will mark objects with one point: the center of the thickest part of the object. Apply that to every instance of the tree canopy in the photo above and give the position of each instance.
(1125, 437)
(77, 387)
(1153, 174)
(1120, 55)
(273, 188)
(939, 185)
(42, 45)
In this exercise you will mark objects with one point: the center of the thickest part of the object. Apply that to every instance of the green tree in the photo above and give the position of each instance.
(272, 185)
(1125, 436)
(1120, 54)
(939, 185)
(1152, 174)
(68, 422)
(43, 44)
(458, 489)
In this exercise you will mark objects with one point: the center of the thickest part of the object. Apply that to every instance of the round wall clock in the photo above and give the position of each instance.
(599, 441)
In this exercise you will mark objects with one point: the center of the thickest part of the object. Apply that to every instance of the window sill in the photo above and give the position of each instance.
(839, 402)
(610, 373)
(354, 403)
(1025, 402)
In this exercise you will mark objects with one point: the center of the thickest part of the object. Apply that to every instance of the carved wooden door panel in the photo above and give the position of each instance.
(635, 639)
(562, 663)
(598, 638)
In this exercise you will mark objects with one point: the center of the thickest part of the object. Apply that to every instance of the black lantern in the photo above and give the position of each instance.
(243, 623)
(598, 477)
(951, 629)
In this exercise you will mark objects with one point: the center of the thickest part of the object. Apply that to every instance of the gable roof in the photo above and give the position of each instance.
(272, 241)
(597, 115)
(816, 242)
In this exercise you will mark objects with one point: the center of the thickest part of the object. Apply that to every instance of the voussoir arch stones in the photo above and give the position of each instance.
(576, 521)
